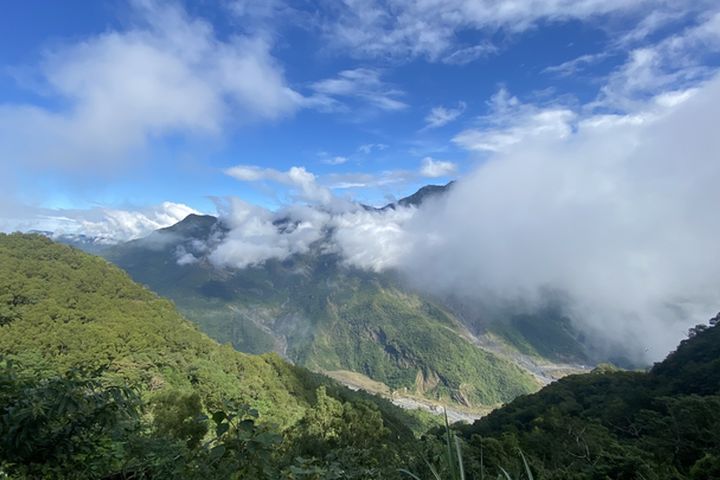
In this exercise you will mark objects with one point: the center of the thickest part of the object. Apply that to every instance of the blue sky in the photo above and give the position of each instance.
(123, 106)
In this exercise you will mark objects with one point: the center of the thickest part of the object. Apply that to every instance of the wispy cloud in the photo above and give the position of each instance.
(336, 160)
(576, 65)
(368, 148)
(304, 184)
(431, 168)
(440, 116)
(465, 55)
(403, 29)
(676, 62)
(361, 84)
(105, 224)
(509, 122)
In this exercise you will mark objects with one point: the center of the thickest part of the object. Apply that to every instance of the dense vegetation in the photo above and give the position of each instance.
(323, 315)
(100, 378)
(664, 424)
(381, 333)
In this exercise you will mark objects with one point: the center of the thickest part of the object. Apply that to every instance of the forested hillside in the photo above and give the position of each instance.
(324, 315)
(664, 424)
(101, 378)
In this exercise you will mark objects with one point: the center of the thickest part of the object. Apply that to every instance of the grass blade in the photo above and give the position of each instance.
(433, 470)
(448, 444)
(482, 461)
(406, 472)
(527, 467)
(507, 475)
(459, 459)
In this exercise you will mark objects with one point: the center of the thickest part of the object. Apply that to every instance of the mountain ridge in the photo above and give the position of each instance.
(320, 313)
(61, 309)
(328, 316)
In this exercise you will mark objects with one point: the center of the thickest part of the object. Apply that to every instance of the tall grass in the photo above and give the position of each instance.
(453, 457)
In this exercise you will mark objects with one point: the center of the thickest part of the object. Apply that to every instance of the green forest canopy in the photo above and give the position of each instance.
(100, 378)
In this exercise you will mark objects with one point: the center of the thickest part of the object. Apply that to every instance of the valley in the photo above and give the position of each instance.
(359, 240)
(405, 399)
(319, 313)
(322, 314)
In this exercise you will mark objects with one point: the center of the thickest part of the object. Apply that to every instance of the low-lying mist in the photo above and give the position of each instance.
(623, 215)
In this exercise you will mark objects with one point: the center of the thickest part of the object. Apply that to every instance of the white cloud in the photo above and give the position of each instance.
(307, 187)
(368, 148)
(168, 74)
(366, 239)
(619, 213)
(109, 225)
(372, 240)
(336, 160)
(123, 225)
(651, 23)
(361, 84)
(184, 257)
(255, 236)
(347, 180)
(440, 115)
(432, 29)
(470, 54)
(675, 62)
(304, 183)
(436, 168)
(572, 67)
(511, 122)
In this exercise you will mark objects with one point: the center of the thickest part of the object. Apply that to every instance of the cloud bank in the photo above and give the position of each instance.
(618, 212)
(105, 225)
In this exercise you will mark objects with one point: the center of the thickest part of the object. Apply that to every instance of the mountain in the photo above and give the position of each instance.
(416, 199)
(101, 378)
(663, 424)
(423, 194)
(63, 309)
(323, 315)
(356, 325)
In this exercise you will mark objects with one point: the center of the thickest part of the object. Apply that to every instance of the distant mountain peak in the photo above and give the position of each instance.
(192, 225)
(419, 197)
